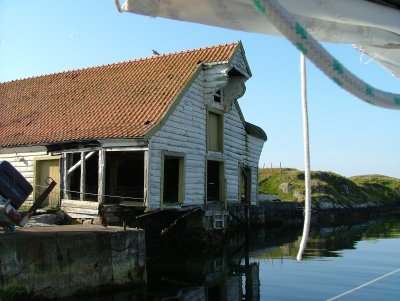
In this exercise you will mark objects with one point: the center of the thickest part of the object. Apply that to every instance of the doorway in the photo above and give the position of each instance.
(215, 179)
(44, 168)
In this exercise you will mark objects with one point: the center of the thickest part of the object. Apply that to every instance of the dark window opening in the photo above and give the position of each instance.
(245, 185)
(213, 181)
(218, 96)
(91, 177)
(124, 177)
(75, 177)
(173, 179)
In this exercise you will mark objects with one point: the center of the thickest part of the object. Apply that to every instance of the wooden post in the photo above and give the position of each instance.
(101, 177)
(146, 178)
(83, 177)
(68, 162)
(65, 185)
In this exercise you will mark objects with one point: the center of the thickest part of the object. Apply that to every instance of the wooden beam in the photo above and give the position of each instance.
(146, 178)
(83, 177)
(77, 164)
(101, 177)
(64, 175)
(66, 178)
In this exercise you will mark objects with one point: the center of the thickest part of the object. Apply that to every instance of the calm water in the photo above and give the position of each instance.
(338, 259)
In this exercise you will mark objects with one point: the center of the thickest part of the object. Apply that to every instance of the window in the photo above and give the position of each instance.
(82, 176)
(245, 185)
(215, 179)
(173, 180)
(124, 177)
(218, 96)
(215, 132)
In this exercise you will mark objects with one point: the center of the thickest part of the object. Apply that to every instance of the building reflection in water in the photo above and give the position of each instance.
(235, 275)
(224, 278)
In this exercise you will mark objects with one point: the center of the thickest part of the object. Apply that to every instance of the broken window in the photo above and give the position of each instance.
(215, 176)
(92, 178)
(173, 180)
(245, 184)
(124, 176)
(218, 96)
(82, 176)
(74, 177)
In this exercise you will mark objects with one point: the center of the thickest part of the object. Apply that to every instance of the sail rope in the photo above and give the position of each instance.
(364, 285)
(290, 27)
(307, 169)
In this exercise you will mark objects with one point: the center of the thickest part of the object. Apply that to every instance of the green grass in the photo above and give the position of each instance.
(383, 188)
(330, 189)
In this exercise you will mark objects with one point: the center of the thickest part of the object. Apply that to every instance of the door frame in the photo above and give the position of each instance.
(36, 165)
(181, 181)
(222, 180)
(247, 188)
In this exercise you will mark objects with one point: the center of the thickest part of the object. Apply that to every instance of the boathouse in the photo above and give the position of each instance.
(154, 133)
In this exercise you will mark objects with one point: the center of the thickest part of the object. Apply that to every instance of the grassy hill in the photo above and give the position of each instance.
(330, 190)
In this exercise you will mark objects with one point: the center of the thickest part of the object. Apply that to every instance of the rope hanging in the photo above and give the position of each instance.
(307, 169)
(287, 24)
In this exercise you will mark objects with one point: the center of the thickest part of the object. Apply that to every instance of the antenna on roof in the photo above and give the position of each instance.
(155, 52)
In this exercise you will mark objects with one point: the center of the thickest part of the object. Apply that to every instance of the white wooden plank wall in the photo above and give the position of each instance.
(234, 151)
(24, 162)
(239, 62)
(254, 149)
(185, 132)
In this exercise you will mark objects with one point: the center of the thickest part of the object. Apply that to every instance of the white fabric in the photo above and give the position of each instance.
(373, 29)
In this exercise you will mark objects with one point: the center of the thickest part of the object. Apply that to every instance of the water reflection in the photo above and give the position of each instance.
(236, 274)
(327, 241)
(201, 278)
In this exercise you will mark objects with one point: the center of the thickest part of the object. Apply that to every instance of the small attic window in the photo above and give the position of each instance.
(218, 96)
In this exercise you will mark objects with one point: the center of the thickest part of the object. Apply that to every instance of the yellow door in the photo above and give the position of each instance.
(44, 169)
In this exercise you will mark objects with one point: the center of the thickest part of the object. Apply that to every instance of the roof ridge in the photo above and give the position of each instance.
(121, 62)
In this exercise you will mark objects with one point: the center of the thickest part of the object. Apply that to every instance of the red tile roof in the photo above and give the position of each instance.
(123, 100)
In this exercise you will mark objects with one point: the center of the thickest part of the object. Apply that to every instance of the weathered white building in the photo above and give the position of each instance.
(161, 132)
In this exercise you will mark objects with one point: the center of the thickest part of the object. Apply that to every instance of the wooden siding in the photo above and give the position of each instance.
(185, 131)
(23, 160)
(254, 149)
(239, 61)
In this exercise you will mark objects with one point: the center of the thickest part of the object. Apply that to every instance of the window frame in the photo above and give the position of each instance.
(222, 180)
(247, 199)
(220, 124)
(181, 178)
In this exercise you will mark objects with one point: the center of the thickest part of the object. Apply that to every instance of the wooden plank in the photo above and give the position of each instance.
(77, 164)
(79, 204)
(101, 176)
(65, 176)
(83, 177)
(146, 177)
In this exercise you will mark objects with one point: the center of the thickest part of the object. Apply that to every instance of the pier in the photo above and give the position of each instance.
(53, 262)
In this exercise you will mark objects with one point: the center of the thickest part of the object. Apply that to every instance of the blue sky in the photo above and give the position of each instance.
(348, 136)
